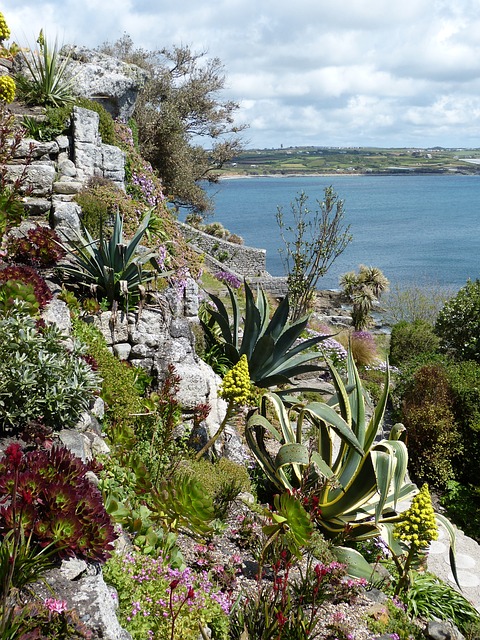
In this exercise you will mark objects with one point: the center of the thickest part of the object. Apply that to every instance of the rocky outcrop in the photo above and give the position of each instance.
(111, 82)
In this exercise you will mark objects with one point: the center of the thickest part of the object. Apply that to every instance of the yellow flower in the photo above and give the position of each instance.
(418, 526)
(236, 385)
(7, 89)
(4, 30)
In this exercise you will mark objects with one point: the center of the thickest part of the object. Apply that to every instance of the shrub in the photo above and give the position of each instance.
(462, 503)
(414, 303)
(458, 323)
(118, 386)
(159, 602)
(410, 340)
(433, 438)
(39, 377)
(363, 347)
(39, 247)
(49, 495)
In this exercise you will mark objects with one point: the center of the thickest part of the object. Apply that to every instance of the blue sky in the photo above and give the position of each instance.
(320, 72)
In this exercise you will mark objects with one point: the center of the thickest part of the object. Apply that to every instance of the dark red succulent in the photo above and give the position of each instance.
(28, 275)
(40, 247)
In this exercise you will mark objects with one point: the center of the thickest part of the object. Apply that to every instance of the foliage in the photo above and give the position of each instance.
(266, 343)
(28, 275)
(223, 480)
(462, 504)
(48, 82)
(396, 623)
(434, 439)
(277, 609)
(429, 597)
(363, 347)
(50, 620)
(118, 388)
(410, 340)
(115, 269)
(7, 89)
(288, 522)
(12, 291)
(159, 602)
(39, 247)
(357, 484)
(179, 105)
(311, 245)
(39, 377)
(11, 192)
(54, 502)
(363, 289)
(457, 324)
(464, 380)
(414, 303)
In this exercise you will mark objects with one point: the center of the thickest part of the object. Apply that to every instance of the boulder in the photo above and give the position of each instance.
(111, 82)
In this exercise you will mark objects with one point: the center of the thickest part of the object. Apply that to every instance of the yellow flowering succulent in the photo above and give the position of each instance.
(236, 385)
(418, 526)
(7, 89)
(4, 30)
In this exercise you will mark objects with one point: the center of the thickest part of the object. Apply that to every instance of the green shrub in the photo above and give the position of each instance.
(462, 503)
(464, 379)
(394, 623)
(119, 390)
(414, 303)
(39, 378)
(458, 323)
(410, 340)
(223, 480)
(433, 438)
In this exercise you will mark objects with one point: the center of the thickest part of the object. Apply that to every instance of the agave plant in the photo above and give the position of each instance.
(112, 268)
(361, 478)
(269, 344)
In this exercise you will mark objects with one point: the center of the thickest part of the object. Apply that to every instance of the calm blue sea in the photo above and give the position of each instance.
(417, 229)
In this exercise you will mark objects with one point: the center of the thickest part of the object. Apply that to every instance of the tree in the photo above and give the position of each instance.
(314, 242)
(363, 289)
(179, 107)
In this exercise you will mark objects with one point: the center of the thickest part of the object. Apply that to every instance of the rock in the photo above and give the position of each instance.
(113, 164)
(37, 206)
(77, 443)
(114, 327)
(66, 218)
(67, 168)
(39, 149)
(39, 177)
(56, 312)
(109, 81)
(73, 568)
(122, 350)
(442, 630)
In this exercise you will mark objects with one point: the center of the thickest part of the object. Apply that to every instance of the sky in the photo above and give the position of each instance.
(387, 73)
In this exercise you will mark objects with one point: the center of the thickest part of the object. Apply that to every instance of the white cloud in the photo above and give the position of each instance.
(315, 72)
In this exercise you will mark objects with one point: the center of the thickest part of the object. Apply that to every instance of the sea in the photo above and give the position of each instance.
(419, 230)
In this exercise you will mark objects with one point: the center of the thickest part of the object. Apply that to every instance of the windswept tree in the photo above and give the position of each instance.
(179, 114)
(311, 245)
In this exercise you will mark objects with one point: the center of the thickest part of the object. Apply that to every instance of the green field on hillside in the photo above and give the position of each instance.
(312, 160)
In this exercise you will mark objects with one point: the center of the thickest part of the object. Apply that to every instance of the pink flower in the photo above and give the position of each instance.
(56, 606)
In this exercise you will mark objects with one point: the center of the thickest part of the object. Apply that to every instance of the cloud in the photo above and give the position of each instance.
(333, 72)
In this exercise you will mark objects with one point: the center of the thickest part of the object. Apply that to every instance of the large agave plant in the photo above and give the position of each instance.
(361, 478)
(111, 267)
(269, 344)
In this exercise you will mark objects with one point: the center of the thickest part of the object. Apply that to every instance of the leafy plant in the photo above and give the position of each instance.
(457, 324)
(11, 291)
(28, 275)
(316, 240)
(115, 269)
(49, 82)
(363, 289)
(268, 344)
(159, 602)
(39, 247)
(357, 483)
(414, 303)
(38, 376)
(410, 340)
(428, 596)
(48, 495)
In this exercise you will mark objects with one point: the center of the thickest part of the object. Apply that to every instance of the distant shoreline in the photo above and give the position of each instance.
(357, 174)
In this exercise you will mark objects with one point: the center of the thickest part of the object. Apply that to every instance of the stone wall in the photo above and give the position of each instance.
(248, 261)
